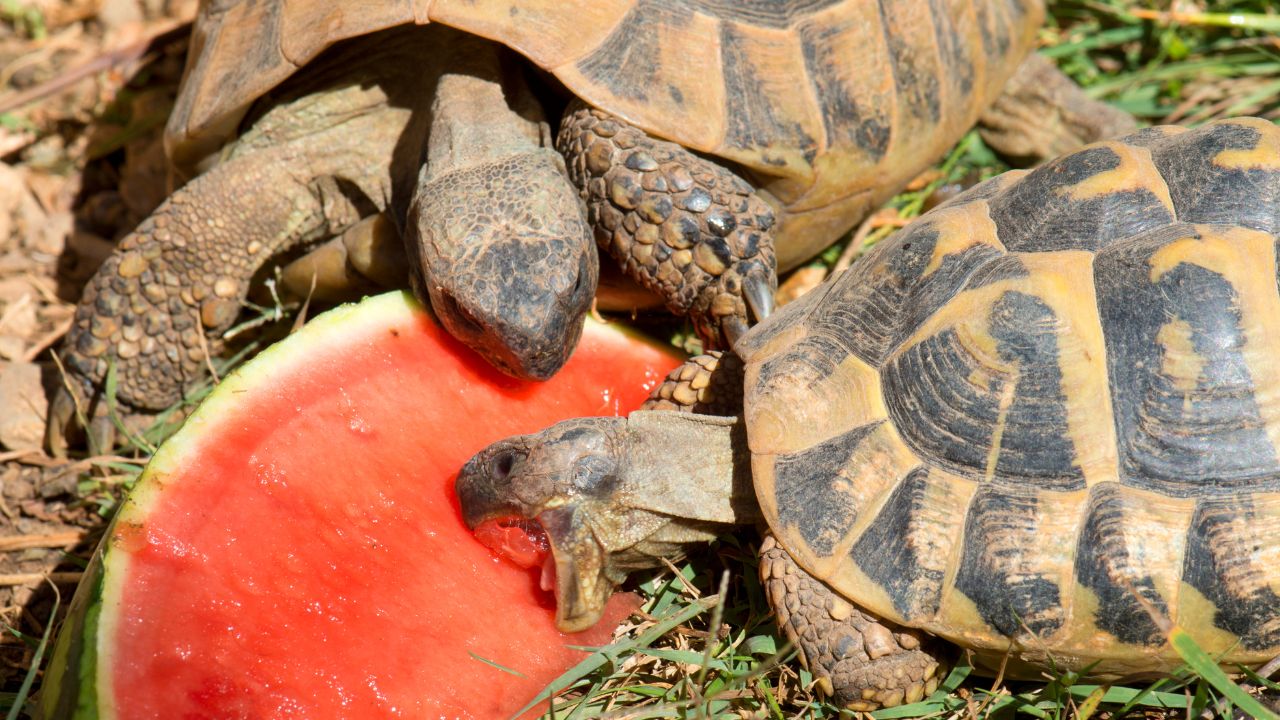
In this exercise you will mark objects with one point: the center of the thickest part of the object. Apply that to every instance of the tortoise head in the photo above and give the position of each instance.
(502, 253)
(610, 495)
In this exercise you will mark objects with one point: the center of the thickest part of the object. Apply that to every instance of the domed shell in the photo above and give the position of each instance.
(834, 103)
(1046, 415)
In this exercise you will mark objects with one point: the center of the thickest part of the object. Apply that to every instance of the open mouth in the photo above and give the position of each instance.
(523, 542)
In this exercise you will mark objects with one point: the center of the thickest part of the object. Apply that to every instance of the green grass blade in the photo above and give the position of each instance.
(24, 691)
(1207, 668)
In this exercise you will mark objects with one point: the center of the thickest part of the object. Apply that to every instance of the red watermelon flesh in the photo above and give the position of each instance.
(296, 549)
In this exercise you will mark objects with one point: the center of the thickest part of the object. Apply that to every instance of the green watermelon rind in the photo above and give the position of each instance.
(77, 684)
(75, 675)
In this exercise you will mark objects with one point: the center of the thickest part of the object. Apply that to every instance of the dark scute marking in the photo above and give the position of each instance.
(957, 66)
(847, 121)
(1209, 439)
(812, 360)
(944, 416)
(1222, 564)
(880, 301)
(1203, 192)
(627, 61)
(750, 120)
(915, 77)
(998, 531)
(1148, 137)
(995, 30)
(764, 13)
(1104, 566)
(887, 552)
(807, 495)
(1036, 213)
(676, 96)
(1035, 443)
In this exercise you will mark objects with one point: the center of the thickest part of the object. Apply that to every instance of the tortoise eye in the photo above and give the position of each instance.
(501, 465)
(452, 309)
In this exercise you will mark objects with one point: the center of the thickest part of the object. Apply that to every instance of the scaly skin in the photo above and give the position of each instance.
(860, 661)
(158, 306)
(496, 235)
(686, 228)
(709, 384)
(1042, 114)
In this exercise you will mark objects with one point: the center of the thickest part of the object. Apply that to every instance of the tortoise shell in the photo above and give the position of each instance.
(1046, 416)
(833, 104)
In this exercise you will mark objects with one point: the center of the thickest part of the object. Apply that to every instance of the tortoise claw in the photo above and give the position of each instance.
(758, 292)
(64, 427)
(734, 328)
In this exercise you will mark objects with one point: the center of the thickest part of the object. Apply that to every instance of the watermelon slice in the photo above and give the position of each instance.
(296, 550)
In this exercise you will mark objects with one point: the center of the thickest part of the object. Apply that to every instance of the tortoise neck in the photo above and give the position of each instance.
(695, 467)
(482, 110)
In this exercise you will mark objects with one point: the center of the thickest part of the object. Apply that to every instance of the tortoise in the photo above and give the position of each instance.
(770, 136)
(1040, 423)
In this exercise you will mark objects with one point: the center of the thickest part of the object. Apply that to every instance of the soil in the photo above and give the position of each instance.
(85, 89)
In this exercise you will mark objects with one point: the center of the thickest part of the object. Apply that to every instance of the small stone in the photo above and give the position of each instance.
(25, 407)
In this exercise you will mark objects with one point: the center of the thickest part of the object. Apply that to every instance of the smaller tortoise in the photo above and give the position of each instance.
(735, 114)
(1041, 423)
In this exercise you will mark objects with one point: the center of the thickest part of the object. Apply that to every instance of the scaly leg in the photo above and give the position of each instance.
(684, 227)
(862, 662)
(308, 167)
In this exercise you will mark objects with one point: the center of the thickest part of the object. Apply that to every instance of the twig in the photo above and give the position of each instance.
(47, 340)
(204, 347)
(52, 540)
(159, 37)
(13, 579)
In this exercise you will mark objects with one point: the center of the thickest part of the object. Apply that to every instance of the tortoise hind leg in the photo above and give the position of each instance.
(1042, 114)
(862, 662)
(684, 227)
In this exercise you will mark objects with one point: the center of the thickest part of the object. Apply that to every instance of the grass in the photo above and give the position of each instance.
(705, 645)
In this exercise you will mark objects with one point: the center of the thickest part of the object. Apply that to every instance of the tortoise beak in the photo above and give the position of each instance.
(581, 587)
(485, 491)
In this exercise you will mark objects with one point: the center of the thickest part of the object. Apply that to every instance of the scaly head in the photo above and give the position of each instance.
(502, 253)
(612, 495)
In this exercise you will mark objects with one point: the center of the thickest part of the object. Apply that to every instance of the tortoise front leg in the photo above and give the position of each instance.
(684, 227)
(862, 662)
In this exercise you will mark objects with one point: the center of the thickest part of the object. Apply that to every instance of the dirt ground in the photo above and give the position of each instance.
(85, 88)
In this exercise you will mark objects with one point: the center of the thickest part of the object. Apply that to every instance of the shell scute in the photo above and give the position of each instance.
(1084, 200)
(1186, 311)
(1226, 172)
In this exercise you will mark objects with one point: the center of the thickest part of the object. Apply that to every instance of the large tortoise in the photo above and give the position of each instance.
(1042, 421)
(825, 107)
